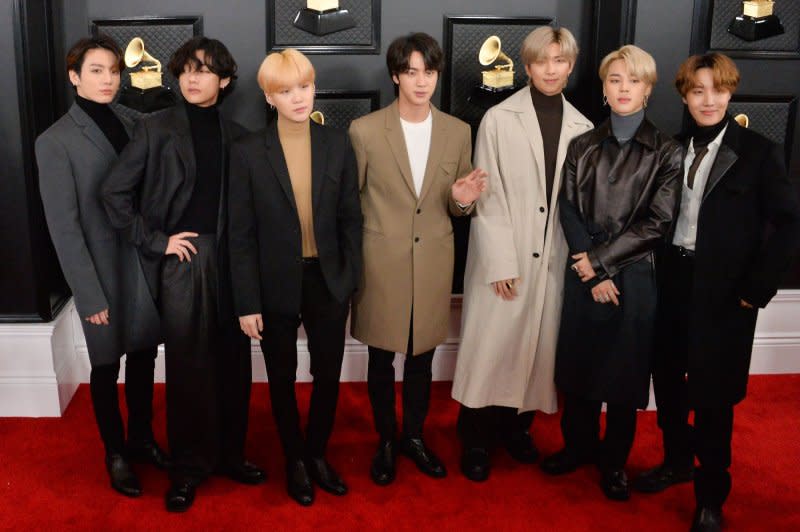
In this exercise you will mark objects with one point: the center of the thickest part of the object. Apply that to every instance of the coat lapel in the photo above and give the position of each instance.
(435, 152)
(726, 157)
(530, 123)
(319, 154)
(91, 131)
(572, 124)
(278, 162)
(397, 143)
(185, 149)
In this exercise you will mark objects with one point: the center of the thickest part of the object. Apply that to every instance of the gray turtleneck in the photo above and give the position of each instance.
(624, 127)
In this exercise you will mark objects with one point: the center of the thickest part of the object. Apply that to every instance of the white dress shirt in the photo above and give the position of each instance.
(686, 226)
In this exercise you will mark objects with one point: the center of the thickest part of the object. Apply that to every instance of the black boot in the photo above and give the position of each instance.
(383, 467)
(325, 476)
(475, 464)
(298, 483)
(122, 477)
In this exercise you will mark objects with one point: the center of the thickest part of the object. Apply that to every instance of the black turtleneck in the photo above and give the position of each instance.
(549, 112)
(202, 211)
(703, 135)
(106, 120)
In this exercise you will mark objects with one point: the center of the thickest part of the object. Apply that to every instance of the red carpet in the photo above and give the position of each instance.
(52, 477)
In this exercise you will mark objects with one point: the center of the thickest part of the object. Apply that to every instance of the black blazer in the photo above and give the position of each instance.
(151, 185)
(265, 238)
(748, 229)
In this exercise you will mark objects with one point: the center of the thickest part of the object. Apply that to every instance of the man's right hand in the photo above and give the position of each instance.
(180, 246)
(252, 325)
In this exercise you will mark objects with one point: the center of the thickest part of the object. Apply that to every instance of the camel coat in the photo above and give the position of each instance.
(408, 240)
(507, 352)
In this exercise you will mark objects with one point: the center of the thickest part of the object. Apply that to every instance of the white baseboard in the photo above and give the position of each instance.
(41, 365)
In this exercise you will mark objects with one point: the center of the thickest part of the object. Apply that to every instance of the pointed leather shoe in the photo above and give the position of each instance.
(475, 464)
(325, 476)
(383, 467)
(707, 520)
(615, 485)
(179, 497)
(122, 477)
(521, 448)
(245, 473)
(426, 461)
(298, 483)
(662, 477)
(148, 452)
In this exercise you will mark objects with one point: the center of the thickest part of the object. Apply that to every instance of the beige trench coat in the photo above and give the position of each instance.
(408, 240)
(507, 351)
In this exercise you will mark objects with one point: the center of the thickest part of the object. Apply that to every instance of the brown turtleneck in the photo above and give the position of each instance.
(296, 144)
(549, 112)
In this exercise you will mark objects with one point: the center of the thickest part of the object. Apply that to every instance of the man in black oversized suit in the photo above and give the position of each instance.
(177, 161)
(736, 230)
(295, 245)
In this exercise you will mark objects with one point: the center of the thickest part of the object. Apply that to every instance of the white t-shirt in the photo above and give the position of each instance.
(418, 144)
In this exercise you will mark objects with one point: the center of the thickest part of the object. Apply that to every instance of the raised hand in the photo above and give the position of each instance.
(467, 189)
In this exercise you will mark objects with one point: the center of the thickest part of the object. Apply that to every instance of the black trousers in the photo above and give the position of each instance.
(208, 368)
(483, 427)
(324, 319)
(417, 377)
(139, 368)
(710, 439)
(580, 426)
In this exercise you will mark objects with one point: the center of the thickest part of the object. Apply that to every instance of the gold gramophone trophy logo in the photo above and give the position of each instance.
(497, 82)
(317, 117)
(146, 93)
(501, 77)
(757, 21)
(322, 17)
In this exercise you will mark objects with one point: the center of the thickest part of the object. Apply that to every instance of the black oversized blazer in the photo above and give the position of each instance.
(748, 229)
(150, 187)
(265, 238)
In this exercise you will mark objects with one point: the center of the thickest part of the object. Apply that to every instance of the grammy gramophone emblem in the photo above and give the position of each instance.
(317, 117)
(497, 82)
(322, 17)
(146, 93)
(757, 21)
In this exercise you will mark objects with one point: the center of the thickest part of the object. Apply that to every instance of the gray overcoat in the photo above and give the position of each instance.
(74, 158)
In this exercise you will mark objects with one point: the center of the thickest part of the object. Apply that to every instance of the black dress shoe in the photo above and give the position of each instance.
(662, 477)
(325, 476)
(245, 473)
(298, 483)
(475, 464)
(564, 461)
(383, 469)
(707, 519)
(122, 477)
(426, 461)
(520, 446)
(148, 452)
(615, 485)
(179, 497)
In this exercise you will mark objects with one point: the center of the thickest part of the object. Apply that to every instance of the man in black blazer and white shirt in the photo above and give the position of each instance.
(716, 270)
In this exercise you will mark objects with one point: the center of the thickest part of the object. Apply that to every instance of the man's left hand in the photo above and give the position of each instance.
(468, 189)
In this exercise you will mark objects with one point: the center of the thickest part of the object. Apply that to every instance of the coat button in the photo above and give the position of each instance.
(541, 209)
(416, 239)
(419, 211)
(535, 255)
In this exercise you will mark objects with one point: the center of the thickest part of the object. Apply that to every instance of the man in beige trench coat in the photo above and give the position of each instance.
(515, 265)
(410, 156)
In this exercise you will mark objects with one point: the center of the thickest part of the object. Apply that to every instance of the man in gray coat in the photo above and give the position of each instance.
(117, 313)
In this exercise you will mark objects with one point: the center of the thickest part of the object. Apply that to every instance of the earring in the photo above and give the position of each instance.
(644, 103)
(605, 100)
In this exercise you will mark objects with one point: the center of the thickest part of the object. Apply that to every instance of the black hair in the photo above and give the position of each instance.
(217, 59)
(399, 53)
(77, 52)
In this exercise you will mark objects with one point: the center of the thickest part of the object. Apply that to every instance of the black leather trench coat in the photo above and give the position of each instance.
(617, 203)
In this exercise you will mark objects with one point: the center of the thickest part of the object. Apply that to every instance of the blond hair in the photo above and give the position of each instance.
(535, 45)
(285, 68)
(639, 63)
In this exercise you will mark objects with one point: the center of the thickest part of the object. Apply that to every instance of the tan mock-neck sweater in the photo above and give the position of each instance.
(296, 144)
